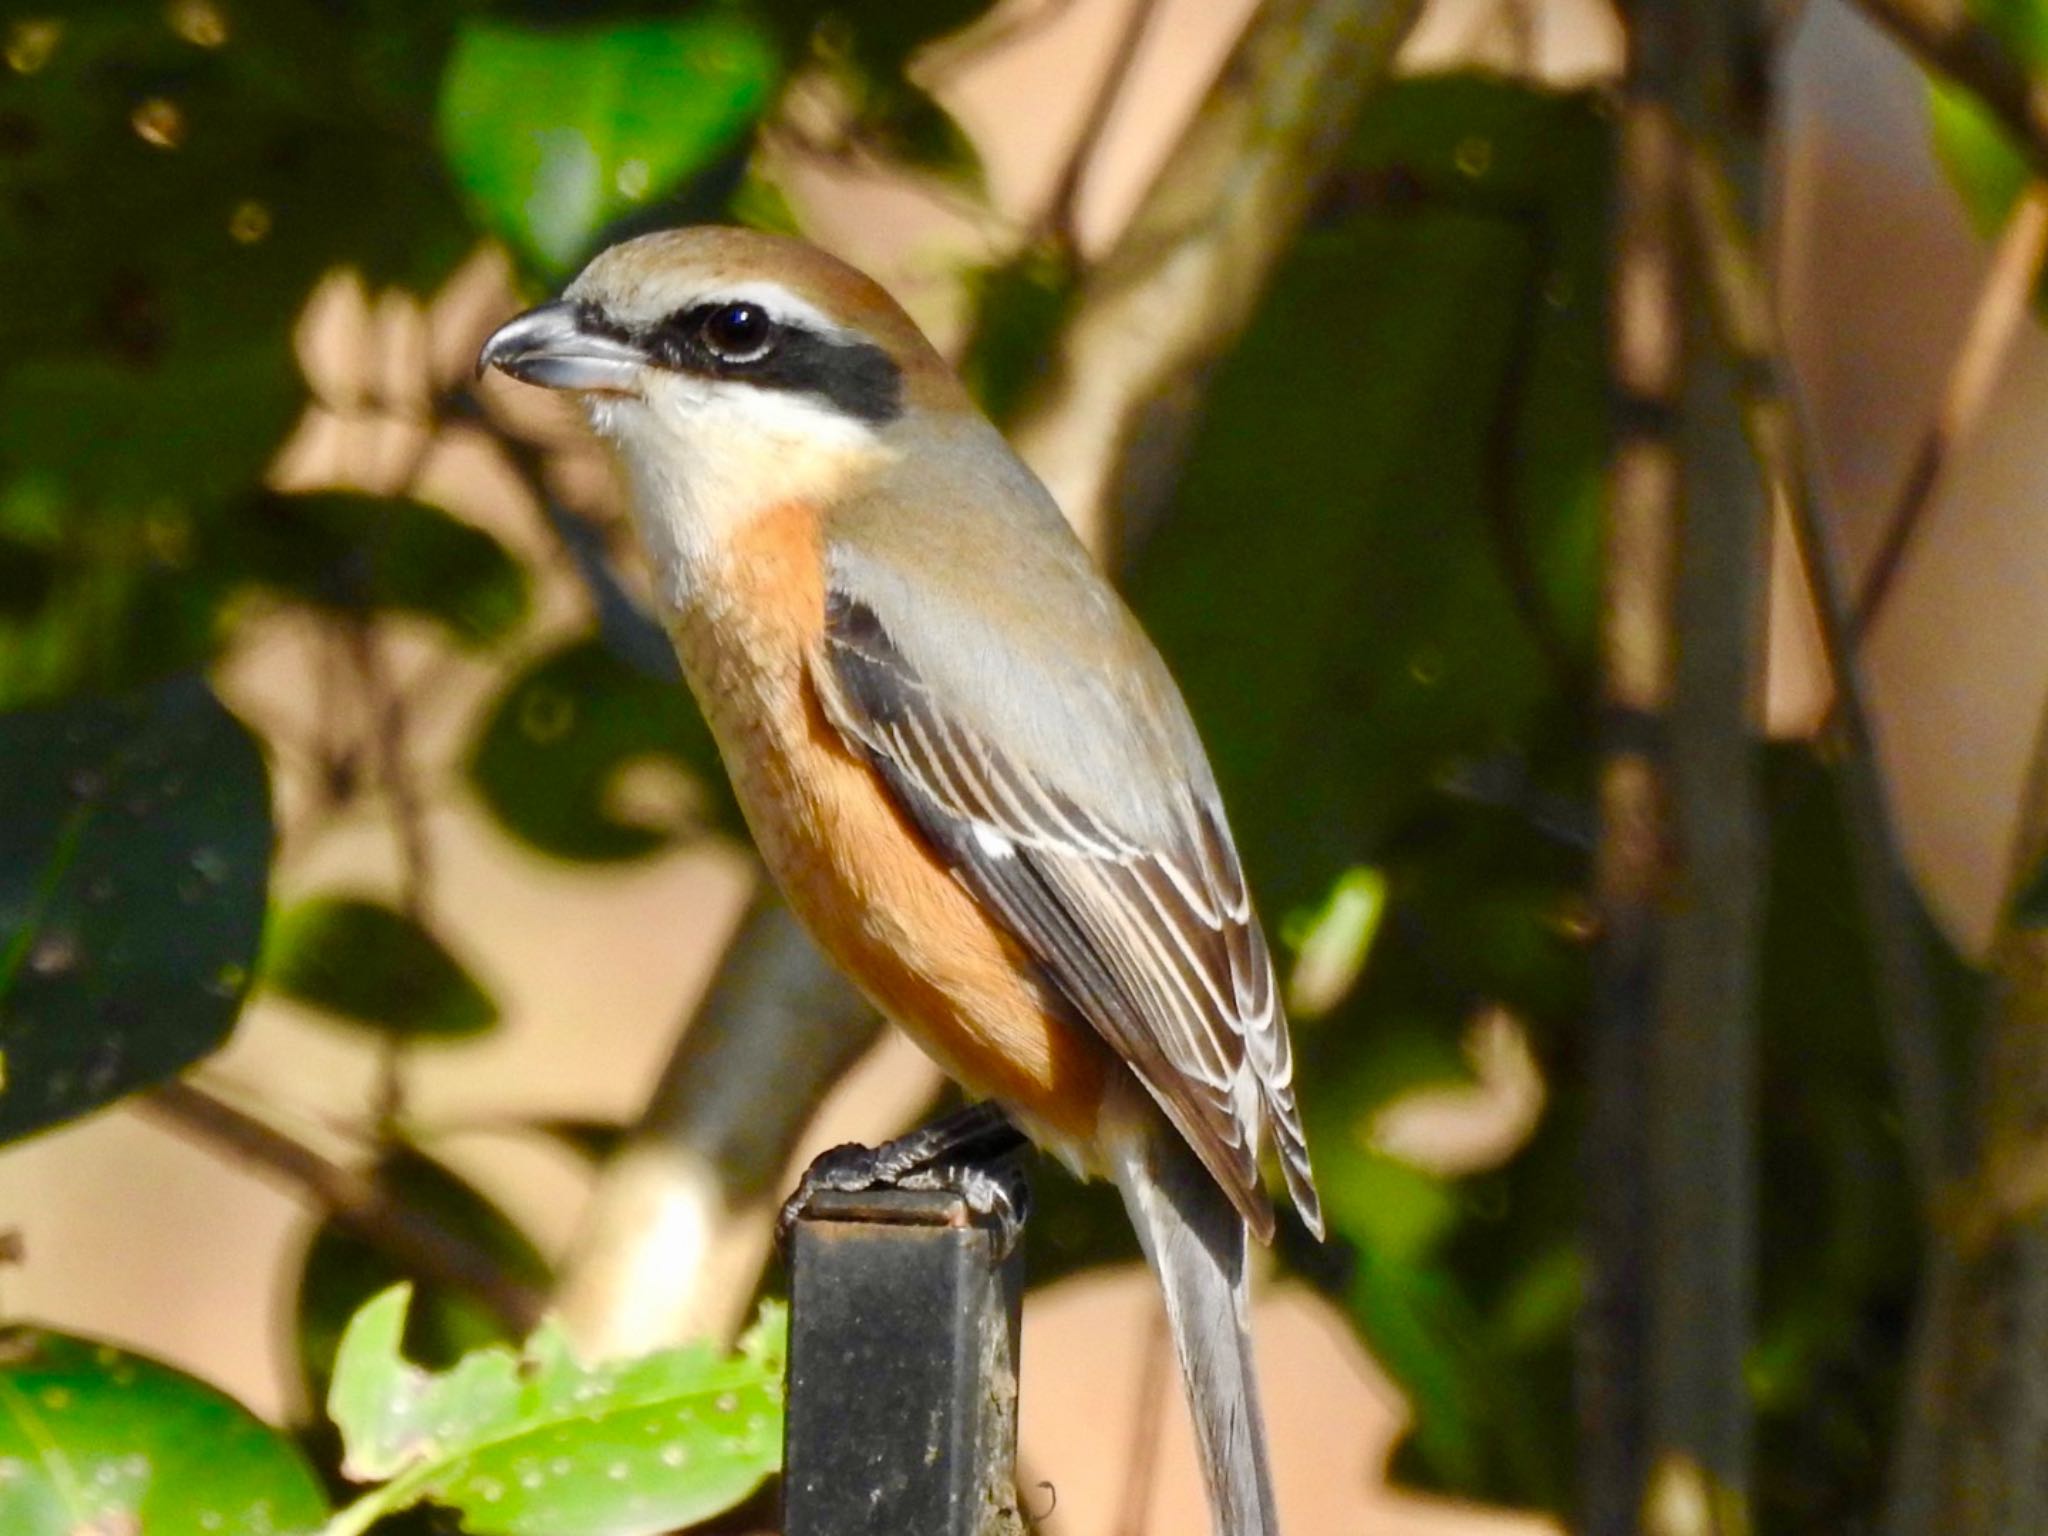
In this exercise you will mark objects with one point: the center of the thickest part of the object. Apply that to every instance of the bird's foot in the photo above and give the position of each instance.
(997, 1192)
(967, 1154)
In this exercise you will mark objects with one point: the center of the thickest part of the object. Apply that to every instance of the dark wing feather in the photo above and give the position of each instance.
(1156, 947)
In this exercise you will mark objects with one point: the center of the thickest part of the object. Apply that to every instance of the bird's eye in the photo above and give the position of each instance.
(738, 333)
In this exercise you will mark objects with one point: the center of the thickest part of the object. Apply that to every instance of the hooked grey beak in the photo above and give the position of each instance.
(551, 347)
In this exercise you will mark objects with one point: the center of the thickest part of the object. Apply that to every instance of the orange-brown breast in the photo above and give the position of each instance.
(859, 875)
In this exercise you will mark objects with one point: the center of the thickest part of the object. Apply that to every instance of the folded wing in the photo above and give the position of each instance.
(1152, 941)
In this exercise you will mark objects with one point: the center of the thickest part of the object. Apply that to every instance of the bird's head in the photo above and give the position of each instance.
(731, 368)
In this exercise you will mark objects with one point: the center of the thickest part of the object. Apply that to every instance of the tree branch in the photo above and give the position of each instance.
(1702, 1086)
(1184, 276)
(1678, 879)
(352, 1200)
(1631, 868)
(678, 1227)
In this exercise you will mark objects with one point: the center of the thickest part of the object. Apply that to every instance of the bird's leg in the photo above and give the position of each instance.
(969, 1153)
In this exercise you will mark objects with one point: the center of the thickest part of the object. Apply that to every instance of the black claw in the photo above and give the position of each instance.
(998, 1192)
(967, 1154)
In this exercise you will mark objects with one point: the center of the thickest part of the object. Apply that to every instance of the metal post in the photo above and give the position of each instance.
(903, 1327)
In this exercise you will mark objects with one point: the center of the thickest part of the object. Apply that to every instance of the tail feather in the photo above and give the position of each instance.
(1195, 1240)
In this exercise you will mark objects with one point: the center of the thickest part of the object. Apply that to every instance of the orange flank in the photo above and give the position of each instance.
(859, 874)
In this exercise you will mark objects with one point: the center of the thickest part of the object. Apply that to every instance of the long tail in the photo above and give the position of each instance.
(1196, 1242)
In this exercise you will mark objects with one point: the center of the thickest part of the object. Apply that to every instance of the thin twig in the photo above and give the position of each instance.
(1904, 992)
(352, 1200)
(1995, 319)
(1063, 209)
(1905, 995)
(385, 705)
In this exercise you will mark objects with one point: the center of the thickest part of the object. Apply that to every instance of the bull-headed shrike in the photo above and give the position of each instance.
(961, 758)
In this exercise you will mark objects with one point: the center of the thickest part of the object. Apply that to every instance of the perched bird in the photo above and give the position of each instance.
(959, 755)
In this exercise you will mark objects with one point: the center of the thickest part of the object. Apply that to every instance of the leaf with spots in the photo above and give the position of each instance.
(134, 857)
(539, 1444)
(95, 1441)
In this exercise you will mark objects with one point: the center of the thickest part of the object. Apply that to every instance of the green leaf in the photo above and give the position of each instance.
(556, 132)
(341, 1272)
(362, 554)
(121, 606)
(94, 1439)
(364, 962)
(1019, 307)
(1987, 172)
(1421, 1330)
(1331, 942)
(134, 858)
(538, 1444)
(561, 748)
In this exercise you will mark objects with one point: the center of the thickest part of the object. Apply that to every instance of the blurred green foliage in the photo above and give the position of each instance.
(356, 555)
(1381, 641)
(555, 132)
(1376, 578)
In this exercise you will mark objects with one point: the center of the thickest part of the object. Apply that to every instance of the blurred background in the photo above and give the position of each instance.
(1581, 464)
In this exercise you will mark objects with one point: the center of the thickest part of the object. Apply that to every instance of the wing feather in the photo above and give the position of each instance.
(1156, 947)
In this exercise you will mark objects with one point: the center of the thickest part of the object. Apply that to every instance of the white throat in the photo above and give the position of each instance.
(705, 457)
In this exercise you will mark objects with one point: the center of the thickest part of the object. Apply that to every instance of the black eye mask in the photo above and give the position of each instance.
(742, 341)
